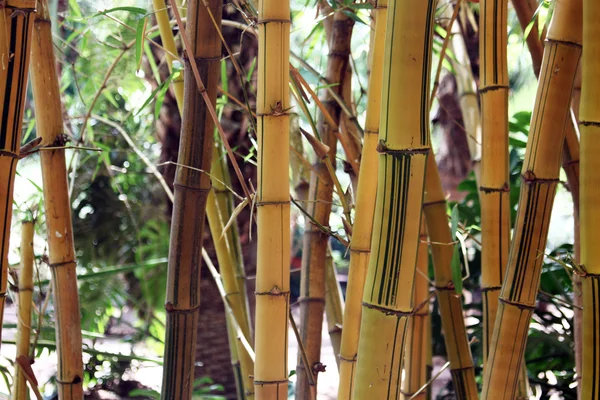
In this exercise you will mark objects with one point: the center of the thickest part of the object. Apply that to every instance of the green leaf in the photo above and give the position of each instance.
(354, 17)
(140, 30)
(134, 10)
(456, 270)
(160, 97)
(454, 221)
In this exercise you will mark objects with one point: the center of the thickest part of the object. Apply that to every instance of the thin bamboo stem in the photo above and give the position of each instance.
(360, 244)
(540, 176)
(57, 205)
(403, 150)
(315, 244)
(415, 355)
(16, 24)
(589, 115)
(273, 201)
(462, 367)
(202, 63)
(494, 183)
(25, 293)
(168, 41)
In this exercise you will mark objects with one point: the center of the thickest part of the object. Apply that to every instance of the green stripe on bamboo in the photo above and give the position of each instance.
(403, 148)
(540, 175)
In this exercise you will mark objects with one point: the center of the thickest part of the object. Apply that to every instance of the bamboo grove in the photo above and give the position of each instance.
(372, 197)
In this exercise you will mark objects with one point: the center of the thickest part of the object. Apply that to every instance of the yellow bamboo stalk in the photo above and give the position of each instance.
(20, 391)
(589, 115)
(494, 183)
(16, 23)
(273, 201)
(540, 175)
(403, 147)
(334, 307)
(462, 367)
(57, 206)
(218, 210)
(168, 42)
(320, 195)
(191, 191)
(360, 244)
(415, 355)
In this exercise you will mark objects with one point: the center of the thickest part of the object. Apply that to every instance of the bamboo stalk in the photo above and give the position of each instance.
(191, 191)
(273, 201)
(540, 175)
(415, 356)
(525, 10)
(494, 183)
(462, 367)
(20, 391)
(168, 42)
(320, 195)
(16, 23)
(360, 244)
(403, 147)
(219, 210)
(334, 307)
(589, 115)
(57, 205)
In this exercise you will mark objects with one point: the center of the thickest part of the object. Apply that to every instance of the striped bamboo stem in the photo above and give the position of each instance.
(525, 10)
(403, 147)
(494, 183)
(360, 244)
(191, 191)
(57, 206)
(219, 209)
(540, 175)
(415, 354)
(273, 201)
(16, 24)
(462, 367)
(320, 195)
(589, 123)
(25, 293)
(334, 306)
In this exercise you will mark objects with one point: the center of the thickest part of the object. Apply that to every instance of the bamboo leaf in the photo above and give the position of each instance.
(454, 221)
(140, 31)
(456, 270)
(134, 10)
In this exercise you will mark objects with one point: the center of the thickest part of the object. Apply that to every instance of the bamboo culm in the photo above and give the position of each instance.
(20, 390)
(360, 244)
(403, 149)
(16, 23)
(589, 123)
(273, 201)
(540, 176)
(320, 195)
(191, 190)
(57, 207)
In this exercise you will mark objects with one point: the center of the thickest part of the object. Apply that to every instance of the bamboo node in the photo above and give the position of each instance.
(492, 88)
(589, 123)
(488, 190)
(275, 291)
(382, 148)
(348, 360)
(60, 264)
(318, 367)
(76, 381)
(307, 299)
(264, 383)
(267, 20)
(171, 309)
(517, 305)
(60, 140)
(529, 177)
(389, 311)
